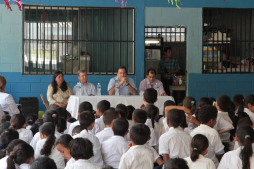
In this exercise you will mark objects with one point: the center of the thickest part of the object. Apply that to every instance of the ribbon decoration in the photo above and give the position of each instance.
(6, 3)
(176, 2)
(123, 3)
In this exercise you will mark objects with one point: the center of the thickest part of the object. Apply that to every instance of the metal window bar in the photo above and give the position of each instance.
(230, 34)
(64, 40)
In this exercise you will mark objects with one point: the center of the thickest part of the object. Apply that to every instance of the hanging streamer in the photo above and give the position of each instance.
(123, 3)
(6, 3)
(176, 2)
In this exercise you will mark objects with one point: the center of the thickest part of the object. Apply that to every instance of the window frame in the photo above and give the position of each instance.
(58, 41)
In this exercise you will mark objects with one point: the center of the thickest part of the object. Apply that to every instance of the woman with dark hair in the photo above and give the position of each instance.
(58, 91)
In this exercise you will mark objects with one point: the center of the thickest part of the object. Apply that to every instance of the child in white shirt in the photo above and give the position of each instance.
(102, 106)
(5, 153)
(81, 150)
(199, 148)
(46, 146)
(113, 148)
(130, 110)
(138, 155)
(22, 156)
(84, 106)
(62, 145)
(18, 122)
(176, 163)
(249, 106)
(175, 142)
(152, 113)
(207, 116)
(30, 120)
(108, 119)
(43, 163)
(87, 122)
(243, 157)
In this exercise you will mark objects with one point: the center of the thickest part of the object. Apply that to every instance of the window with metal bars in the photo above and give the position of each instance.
(228, 40)
(169, 34)
(95, 39)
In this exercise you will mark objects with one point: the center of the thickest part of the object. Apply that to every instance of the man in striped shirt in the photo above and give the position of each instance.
(168, 67)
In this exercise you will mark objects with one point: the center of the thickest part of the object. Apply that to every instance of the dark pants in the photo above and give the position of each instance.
(53, 107)
(166, 84)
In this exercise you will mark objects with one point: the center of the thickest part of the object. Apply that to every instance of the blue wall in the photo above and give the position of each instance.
(148, 12)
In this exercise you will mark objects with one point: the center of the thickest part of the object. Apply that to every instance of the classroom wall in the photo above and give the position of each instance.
(148, 12)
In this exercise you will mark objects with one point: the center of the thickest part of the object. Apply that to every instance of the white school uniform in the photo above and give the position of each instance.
(55, 154)
(28, 127)
(161, 121)
(96, 128)
(97, 158)
(25, 135)
(250, 113)
(130, 123)
(8, 104)
(158, 130)
(153, 141)
(3, 162)
(70, 161)
(137, 157)
(36, 138)
(100, 122)
(81, 164)
(24, 166)
(67, 127)
(155, 154)
(226, 135)
(215, 144)
(105, 134)
(200, 163)
(113, 149)
(232, 160)
(175, 142)
(236, 145)
(165, 124)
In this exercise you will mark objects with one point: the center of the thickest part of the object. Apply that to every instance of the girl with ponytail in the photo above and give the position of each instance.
(199, 148)
(249, 106)
(243, 157)
(153, 113)
(46, 146)
(22, 156)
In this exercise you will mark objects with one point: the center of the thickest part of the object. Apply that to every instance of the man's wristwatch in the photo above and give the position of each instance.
(127, 84)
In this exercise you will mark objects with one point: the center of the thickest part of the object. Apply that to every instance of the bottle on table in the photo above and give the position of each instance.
(78, 89)
(99, 89)
(116, 90)
(157, 88)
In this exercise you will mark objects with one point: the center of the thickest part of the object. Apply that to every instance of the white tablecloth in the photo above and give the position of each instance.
(135, 101)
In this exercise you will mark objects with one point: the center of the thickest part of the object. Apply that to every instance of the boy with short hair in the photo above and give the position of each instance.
(113, 148)
(222, 104)
(108, 118)
(122, 109)
(87, 121)
(84, 106)
(102, 106)
(138, 156)
(76, 130)
(207, 116)
(150, 97)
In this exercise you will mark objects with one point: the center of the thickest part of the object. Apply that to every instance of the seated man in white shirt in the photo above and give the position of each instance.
(150, 82)
(126, 85)
(108, 117)
(113, 148)
(87, 89)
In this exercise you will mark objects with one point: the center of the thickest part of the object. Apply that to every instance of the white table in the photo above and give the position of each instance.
(135, 101)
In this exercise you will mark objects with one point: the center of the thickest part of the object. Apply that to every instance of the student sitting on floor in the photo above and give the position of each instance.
(81, 150)
(108, 118)
(175, 142)
(176, 163)
(76, 130)
(241, 158)
(84, 106)
(87, 121)
(138, 155)
(249, 106)
(113, 148)
(62, 145)
(199, 148)
(102, 106)
(46, 146)
(207, 116)
(21, 157)
(130, 110)
(18, 122)
(43, 163)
